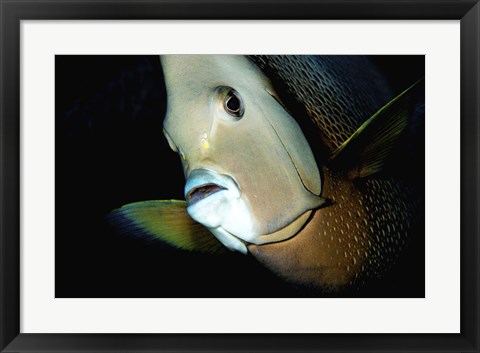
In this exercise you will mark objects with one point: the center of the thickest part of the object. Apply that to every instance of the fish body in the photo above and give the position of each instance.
(324, 216)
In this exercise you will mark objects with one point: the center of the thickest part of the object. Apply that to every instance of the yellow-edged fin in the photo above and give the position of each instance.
(167, 221)
(365, 152)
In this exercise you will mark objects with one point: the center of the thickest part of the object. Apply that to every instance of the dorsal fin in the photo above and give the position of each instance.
(365, 152)
(167, 221)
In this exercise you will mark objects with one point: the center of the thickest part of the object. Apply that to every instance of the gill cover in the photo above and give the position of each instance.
(298, 149)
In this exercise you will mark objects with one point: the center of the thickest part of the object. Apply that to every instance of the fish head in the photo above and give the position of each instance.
(251, 177)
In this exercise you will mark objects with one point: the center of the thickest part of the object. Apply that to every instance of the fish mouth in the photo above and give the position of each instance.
(203, 183)
(201, 192)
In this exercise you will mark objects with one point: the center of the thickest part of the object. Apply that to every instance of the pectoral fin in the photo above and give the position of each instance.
(366, 151)
(167, 221)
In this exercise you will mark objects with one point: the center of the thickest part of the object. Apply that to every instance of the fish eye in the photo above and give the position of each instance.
(232, 102)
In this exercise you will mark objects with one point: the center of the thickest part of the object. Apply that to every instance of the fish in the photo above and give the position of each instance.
(309, 203)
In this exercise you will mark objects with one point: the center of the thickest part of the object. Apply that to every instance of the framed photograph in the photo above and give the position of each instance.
(268, 176)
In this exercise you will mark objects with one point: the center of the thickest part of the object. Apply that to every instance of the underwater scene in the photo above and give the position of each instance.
(239, 176)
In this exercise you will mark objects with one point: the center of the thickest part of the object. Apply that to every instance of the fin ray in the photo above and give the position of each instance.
(365, 152)
(167, 221)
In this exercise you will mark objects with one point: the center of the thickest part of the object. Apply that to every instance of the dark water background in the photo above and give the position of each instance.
(110, 151)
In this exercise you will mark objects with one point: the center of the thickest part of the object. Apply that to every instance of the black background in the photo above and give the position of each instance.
(110, 151)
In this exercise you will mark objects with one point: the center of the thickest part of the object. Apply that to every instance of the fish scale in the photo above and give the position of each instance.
(338, 92)
(351, 251)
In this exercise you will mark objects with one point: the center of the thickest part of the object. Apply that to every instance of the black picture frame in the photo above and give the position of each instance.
(12, 12)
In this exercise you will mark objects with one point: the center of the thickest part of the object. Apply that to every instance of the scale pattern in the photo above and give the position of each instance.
(371, 222)
(338, 92)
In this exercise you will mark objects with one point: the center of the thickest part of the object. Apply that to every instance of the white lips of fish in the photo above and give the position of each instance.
(251, 175)
(226, 196)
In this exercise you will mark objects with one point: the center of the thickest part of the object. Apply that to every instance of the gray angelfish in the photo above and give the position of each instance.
(253, 184)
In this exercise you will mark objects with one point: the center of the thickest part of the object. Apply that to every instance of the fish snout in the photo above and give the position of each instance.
(203, 183)
(215, 201)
